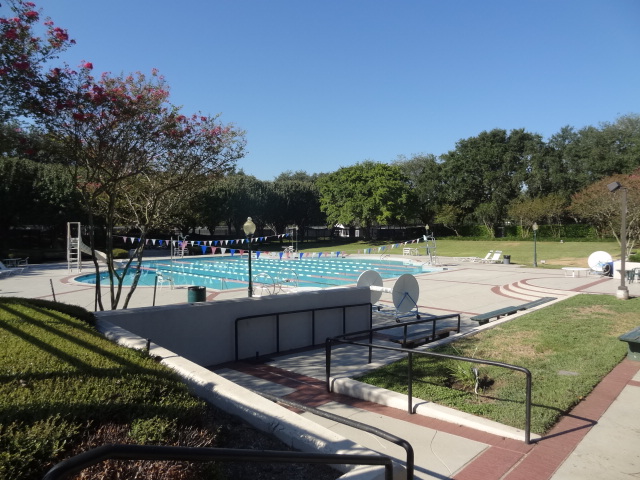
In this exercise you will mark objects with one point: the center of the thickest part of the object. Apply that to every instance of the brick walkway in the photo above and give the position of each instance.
(504, 459)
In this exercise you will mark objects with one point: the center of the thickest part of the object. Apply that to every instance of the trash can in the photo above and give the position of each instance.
(197, 294)
(506, 259)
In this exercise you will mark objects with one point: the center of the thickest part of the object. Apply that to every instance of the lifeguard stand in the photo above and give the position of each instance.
(74, 255)
(431, 249)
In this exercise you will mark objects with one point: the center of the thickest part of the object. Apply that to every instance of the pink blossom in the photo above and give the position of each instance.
(60, 34)
(22, 65)
(12, 34)
(88, 65)
(33, 15)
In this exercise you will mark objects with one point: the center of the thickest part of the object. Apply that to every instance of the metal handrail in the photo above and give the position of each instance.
(306, 310)
(398, 323)
(354, 424)
(86, 459)
(410, 352)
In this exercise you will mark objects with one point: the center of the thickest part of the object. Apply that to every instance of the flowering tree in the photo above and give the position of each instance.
(22, 56)
(132, 153)
(602, 209)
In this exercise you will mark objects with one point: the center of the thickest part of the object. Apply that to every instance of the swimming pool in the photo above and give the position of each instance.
(232, 272)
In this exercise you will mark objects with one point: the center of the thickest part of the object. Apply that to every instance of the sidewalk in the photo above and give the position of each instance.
(598, 439)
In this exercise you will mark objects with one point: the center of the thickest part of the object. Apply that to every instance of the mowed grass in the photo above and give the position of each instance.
(65, 389)
(568, 347)
(553, 253)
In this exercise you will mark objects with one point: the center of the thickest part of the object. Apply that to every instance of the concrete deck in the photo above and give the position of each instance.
(598, 439)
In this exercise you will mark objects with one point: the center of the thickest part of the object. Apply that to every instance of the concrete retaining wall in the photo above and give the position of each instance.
(205, 332)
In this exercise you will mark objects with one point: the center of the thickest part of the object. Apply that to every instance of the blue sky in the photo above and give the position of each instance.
(320, 85)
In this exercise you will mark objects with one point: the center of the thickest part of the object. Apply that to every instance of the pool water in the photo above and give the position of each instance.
(233, 272)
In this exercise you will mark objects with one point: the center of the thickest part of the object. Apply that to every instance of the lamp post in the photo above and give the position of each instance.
(623, 291)
(535, 227)
(249, 229)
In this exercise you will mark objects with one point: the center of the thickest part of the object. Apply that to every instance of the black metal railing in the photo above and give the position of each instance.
(431, 319)
(340, 340)
(313, 311)
(409, 465)
(84, 460)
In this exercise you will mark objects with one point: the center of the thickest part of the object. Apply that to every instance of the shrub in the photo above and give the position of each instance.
(71, 310)
(120, 253)
(24, 445)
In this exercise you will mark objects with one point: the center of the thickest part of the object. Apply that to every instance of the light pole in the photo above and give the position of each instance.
(535, 227)
(249, 229)
(623, 291)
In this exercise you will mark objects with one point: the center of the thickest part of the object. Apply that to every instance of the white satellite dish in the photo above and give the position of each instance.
(371, 278)
(405, 291)
(597, 260)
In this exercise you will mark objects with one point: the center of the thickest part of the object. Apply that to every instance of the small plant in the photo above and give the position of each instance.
(469, 376)
(153, 430)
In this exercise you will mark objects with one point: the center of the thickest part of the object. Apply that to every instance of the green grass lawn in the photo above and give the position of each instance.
(568, 347)
(64, 385)
(554, 254)
(65, 389)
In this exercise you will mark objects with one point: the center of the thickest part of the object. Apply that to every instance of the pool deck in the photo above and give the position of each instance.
(597, 439)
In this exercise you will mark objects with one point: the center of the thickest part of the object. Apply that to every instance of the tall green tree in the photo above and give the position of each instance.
(574, 159)
(485, 173)
(296, 200)
(238, 196)
(425, 178)
(34, 194)
(365, 195)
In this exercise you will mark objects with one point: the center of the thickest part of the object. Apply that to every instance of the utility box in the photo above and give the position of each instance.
(633, 340)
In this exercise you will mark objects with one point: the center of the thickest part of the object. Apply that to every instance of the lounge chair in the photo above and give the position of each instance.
(478, 259)
(494, 259)
(10, 271)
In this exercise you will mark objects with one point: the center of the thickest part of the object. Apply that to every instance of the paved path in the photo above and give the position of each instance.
(599, 439)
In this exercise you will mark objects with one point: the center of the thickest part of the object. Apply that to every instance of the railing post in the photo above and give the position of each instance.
(327, 357)
(527, 424)
(370, 332)
(277, 333)
(410, 386)
(236, 338)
